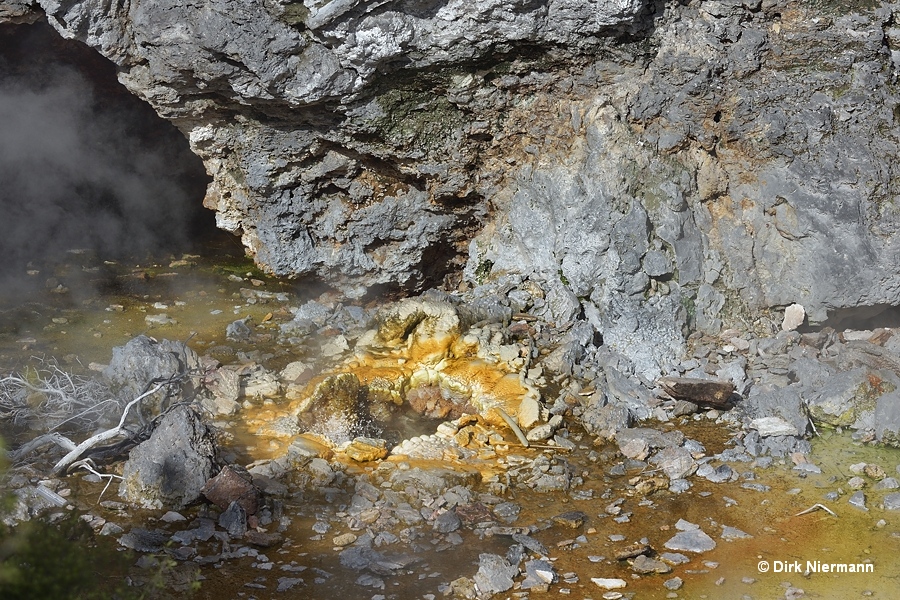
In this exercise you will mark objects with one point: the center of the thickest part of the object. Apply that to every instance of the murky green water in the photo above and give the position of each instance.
(102, 305)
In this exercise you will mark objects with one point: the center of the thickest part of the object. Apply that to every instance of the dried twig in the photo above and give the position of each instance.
(52, 397)
(39, 442)
(87, 465)
(816, 507)
(514, 426)
(92, 441)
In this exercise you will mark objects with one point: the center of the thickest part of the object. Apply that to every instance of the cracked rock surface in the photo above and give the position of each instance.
(653, 167)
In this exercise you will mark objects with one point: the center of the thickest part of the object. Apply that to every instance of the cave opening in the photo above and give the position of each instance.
(86, 166)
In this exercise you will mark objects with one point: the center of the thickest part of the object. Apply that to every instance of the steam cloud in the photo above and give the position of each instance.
(84, 169)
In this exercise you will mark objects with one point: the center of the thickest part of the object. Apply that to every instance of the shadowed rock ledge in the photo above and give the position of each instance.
(652, 167)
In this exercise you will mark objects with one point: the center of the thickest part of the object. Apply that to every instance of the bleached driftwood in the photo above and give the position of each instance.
(67, 398)
(39, 442)
(814, 508)
(103, 436)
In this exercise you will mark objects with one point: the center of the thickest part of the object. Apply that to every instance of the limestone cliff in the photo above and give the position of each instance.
(653, 166)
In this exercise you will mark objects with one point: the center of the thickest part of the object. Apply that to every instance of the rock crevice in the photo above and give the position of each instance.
(654, 167)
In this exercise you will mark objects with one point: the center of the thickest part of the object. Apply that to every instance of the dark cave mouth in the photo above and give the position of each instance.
(86, 165)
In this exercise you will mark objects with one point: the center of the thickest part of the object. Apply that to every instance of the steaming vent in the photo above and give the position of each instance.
(84, 164)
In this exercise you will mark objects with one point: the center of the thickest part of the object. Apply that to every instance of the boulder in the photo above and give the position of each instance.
(170, 469)
(841, 398)
(785, 403)
(143, 360)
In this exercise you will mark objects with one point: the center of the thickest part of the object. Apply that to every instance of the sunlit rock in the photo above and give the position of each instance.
(259, 383)
(609, 583)
(773, 426)
(793, 317)
(364, 449)
(335, 408)
(143, 360)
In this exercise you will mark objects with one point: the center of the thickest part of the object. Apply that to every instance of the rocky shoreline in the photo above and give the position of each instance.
(605, 447)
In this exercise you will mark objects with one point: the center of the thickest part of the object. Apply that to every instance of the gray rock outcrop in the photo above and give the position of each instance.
(652, 167)
(135, 367)
(171, 468)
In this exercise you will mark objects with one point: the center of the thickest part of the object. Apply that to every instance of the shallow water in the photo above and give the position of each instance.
(107, 304)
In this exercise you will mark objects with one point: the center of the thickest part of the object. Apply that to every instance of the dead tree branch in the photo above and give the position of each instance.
(92, 441)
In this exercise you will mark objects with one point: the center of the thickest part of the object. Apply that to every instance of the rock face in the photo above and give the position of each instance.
(143, 362)
(171, 468)
(651, 166)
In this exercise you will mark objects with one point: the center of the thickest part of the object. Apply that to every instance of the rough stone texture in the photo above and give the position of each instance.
(676, 463)
(170, 468)
(793, 317)
(233, 484)
(887, 419)
(538, 575)
(840, 398)
(773, 426)
(605, 419)
(143, 361)
(655, 166)
(785, 404)
(364, 449)
(693, 540)
(234, 520)
(494, 574)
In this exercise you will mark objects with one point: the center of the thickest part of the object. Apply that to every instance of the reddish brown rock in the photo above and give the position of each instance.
(472, 514)
(233, 484)
(705, 392)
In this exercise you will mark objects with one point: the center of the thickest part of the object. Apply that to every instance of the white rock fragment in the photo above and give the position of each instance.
(529, 412)
(335, 346)
(851, 335)
(172, 517)
(771, 426)
(294, 371)
(160, 319)
(793, 317)
(692, 540)
(635, 448)
(261, 384)
(683, 525)
(730, 534)
(609, 584)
